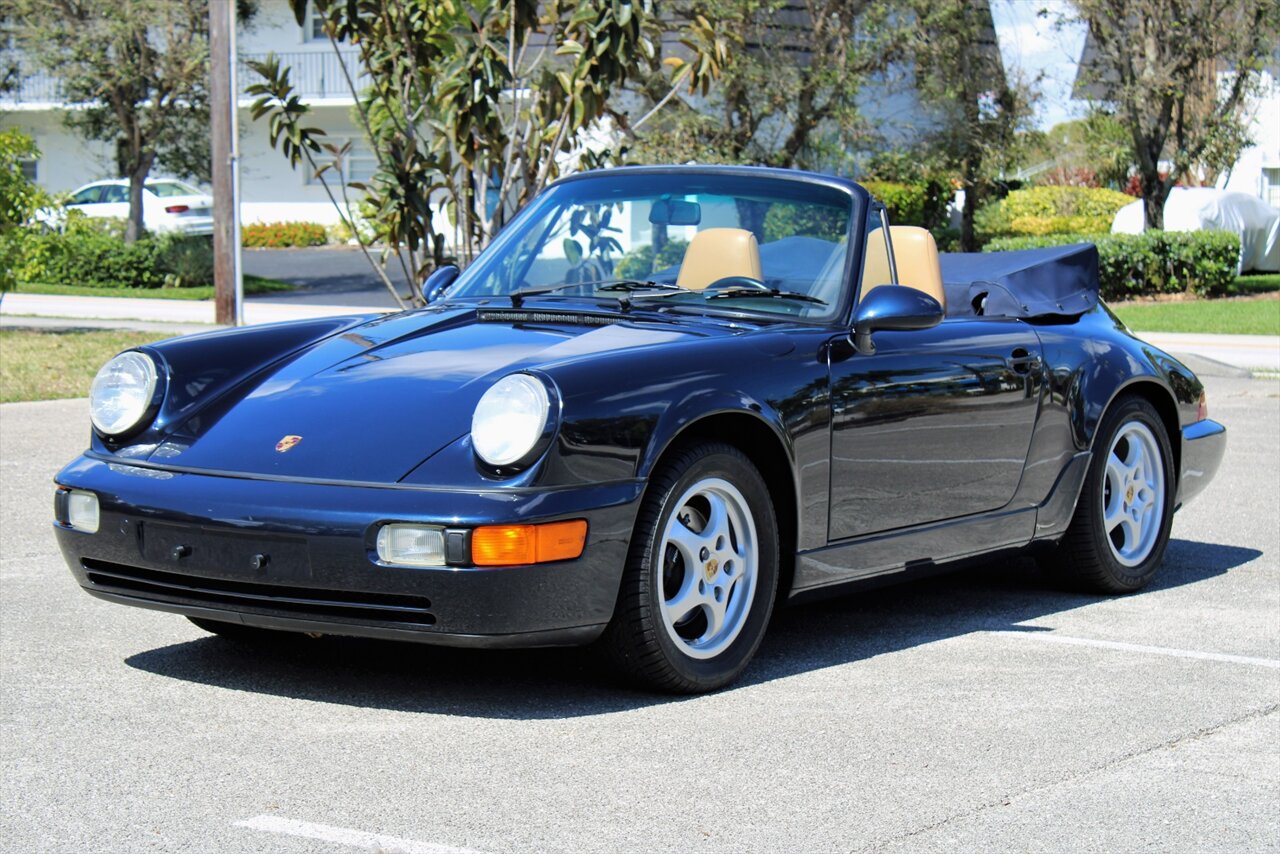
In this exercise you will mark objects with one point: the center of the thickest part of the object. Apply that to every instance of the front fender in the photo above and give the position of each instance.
(706, 404)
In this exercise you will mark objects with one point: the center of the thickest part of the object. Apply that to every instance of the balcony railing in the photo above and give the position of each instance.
(315, 74)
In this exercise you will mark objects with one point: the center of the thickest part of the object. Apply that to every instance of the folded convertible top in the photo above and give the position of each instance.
(1057, 280)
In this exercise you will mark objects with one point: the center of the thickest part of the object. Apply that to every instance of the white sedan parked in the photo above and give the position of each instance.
(168, 205)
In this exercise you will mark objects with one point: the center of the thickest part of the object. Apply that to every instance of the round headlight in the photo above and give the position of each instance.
(509, 419)
(122, 392)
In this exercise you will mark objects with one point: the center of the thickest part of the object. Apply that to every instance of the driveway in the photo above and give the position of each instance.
(980, 711)
(326, 275)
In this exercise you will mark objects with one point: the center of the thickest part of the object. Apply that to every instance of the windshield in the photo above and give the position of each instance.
(692, 241)
(171, 188)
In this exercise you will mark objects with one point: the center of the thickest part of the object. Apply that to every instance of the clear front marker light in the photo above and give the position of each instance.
(122, 393)
(509, 419)
(82, 511)
(411, 545)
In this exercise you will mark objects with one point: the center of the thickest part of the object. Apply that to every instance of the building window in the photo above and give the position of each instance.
(30, 168)
(1271, 185)
(314, 28)
(358, 164)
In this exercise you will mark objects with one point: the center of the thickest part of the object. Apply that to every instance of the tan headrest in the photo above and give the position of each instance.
(916, 255)
(718, 252)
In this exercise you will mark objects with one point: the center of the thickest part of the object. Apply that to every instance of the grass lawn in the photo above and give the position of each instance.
(38, 365)
(1257, 283)
(252, 285)
(1226, 316)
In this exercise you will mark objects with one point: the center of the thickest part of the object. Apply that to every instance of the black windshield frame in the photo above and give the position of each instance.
(640, 182)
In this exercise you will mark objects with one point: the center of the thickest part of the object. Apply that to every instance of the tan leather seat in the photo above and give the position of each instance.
(915, 253)
(718, 252)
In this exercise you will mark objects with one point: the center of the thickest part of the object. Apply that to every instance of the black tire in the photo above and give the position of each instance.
(638, 640)
(238, 631)
(1087, 557)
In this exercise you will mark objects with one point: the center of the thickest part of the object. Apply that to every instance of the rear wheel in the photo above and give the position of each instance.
(701, 575)
(1120, 530)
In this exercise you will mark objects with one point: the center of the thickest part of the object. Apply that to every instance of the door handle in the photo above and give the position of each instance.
(1023, 362)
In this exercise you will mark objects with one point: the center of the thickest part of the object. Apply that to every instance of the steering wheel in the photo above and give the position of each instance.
(736, 282)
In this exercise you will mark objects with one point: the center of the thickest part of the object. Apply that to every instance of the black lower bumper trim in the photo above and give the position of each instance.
(571, 636)
(139, 583)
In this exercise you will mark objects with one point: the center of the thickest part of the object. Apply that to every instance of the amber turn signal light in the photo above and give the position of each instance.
(517, 545)
(1202, 408)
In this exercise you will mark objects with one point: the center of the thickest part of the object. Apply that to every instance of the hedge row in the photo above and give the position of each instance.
(1154, 262)
(88, 255)
(923, 204)
(277, 235)
(1050, 210)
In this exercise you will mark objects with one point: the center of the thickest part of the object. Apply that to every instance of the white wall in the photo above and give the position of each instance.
(272, 191)
(1247, 175)
(273, 28)
(67, 161)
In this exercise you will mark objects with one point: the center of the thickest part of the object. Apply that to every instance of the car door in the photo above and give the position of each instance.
(87, 200)
(935, 424)
(114, 202)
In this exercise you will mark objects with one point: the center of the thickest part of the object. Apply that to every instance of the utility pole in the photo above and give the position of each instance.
(228, 280)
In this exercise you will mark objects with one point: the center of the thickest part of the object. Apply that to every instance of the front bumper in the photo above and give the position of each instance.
(192, 544)
(1203, 444)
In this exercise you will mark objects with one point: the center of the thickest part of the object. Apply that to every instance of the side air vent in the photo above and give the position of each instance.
(576, 318)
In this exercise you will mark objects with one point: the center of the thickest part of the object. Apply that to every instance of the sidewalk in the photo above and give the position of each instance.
(161, 310)
(1207, 354)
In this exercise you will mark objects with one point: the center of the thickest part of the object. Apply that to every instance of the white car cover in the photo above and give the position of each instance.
(1207, 209)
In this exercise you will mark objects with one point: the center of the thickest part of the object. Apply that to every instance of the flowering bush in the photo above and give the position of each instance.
(279, 235)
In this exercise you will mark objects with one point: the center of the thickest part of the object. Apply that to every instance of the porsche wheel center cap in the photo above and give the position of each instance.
(712, 566)
(1128, 495)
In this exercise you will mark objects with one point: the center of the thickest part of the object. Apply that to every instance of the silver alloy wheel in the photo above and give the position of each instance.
(1133, 493)
(707, 568)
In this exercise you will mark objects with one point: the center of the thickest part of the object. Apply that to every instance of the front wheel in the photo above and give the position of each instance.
(701, 574)
(1118, 536)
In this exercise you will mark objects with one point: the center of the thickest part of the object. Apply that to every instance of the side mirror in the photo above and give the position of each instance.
(439, 281)
(893, 307)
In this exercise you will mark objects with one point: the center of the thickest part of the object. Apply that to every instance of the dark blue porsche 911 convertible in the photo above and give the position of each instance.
(663, 401)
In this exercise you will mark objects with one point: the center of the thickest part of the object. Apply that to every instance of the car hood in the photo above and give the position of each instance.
(372, 403)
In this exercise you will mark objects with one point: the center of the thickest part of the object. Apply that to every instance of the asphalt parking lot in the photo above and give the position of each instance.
(982, 711)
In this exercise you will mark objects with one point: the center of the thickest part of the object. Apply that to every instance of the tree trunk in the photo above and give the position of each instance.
(968, 242)
(134, 227)
(1153, 198)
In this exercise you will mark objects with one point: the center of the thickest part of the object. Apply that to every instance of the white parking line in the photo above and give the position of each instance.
(1153, 650)
(345, 836)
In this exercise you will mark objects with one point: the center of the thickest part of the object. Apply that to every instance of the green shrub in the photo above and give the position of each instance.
(1050, 210)
(1154, 262)
(905, 202)
(20, 199)
(278, 235)
(923, 204)
(640, 262)
(87, 257)
(187, 261)
(90, 254)
(784, 219)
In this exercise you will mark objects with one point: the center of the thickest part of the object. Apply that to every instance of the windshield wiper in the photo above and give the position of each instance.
(636, 285)
(769, 293)
(518, 296)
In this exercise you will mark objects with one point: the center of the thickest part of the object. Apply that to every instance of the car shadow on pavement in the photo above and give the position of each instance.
(563, 683)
